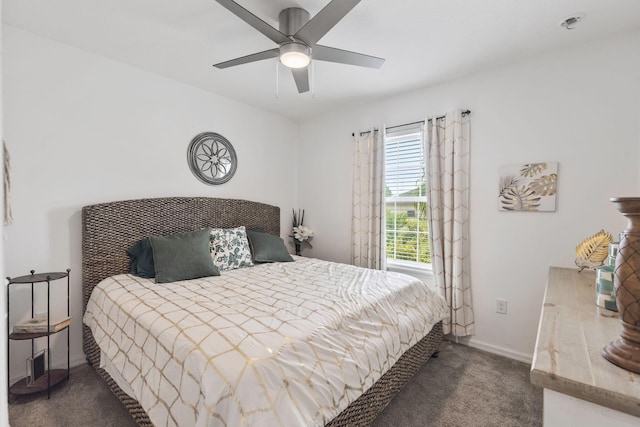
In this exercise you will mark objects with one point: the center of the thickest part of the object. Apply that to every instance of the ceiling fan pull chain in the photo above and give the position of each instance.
(277, 79)
(313, 80)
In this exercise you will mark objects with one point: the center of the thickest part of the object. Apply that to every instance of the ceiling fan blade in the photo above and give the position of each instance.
(254, 21)
(331, 54)
(254, 57)
(301, 76)
(320, 24)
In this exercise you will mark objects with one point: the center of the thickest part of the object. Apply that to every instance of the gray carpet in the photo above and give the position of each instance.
(461, 387)
(464, 386)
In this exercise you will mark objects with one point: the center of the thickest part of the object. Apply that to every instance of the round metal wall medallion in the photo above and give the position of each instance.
(211, 158)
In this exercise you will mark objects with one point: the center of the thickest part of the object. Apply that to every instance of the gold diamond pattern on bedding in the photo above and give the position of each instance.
(282, 344)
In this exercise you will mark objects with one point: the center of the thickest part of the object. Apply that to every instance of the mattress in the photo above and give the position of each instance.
(276, 344)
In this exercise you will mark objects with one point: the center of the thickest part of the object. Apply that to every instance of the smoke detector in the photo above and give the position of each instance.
(571, 22)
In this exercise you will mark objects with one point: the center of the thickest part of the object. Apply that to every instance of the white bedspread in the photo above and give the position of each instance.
(284, 344)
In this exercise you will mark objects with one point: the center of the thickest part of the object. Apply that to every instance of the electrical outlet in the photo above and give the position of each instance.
(501, 306)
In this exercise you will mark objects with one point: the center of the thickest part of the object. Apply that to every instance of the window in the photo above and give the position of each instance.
(407, 229)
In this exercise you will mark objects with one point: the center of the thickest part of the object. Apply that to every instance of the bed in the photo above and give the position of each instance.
(109, 229)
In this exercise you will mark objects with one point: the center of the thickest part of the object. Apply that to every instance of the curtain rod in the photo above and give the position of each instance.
(464, 113)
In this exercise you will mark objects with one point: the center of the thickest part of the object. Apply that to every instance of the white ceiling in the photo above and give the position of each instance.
(424, 42)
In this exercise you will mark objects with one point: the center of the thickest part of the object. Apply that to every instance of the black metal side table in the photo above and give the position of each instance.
(51, 376)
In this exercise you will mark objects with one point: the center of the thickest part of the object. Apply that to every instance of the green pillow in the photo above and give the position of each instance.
(141, 263)
(182, 256)
(266, 247)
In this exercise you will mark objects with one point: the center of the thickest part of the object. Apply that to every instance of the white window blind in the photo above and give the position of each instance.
(407, 230)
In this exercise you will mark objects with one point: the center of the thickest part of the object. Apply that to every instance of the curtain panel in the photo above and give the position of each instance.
(367, 223)
(447, 157)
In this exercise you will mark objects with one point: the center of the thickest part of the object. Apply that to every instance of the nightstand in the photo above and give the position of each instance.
(37, 328)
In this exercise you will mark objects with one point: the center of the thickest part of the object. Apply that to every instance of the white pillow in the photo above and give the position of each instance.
(230, 248)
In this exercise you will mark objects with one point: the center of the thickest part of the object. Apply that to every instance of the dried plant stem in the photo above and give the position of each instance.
(298, 217)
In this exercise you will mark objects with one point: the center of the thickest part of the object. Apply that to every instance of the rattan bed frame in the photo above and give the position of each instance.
(108, 229)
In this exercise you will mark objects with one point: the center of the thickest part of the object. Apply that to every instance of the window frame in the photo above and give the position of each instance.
(400, 134)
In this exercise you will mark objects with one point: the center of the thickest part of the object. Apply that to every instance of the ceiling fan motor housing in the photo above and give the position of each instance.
(292, 19)
(295, 54)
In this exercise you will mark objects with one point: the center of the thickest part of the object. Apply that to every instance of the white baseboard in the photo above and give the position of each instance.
(491, 348)
(78, 360)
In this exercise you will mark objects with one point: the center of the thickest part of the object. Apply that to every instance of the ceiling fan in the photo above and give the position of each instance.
(297, 39)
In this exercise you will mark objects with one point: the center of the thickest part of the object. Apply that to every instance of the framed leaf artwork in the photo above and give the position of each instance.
(528, 187)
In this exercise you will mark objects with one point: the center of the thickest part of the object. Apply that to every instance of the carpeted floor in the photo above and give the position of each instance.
(462, 387)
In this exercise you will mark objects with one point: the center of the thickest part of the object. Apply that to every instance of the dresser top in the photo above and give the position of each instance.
(571, 334)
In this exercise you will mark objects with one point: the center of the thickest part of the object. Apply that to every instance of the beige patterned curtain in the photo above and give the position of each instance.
(367, 224)
(448, 200)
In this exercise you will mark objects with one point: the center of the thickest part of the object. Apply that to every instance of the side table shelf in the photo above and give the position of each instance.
(51, 377)
(41, 384)
(31, 335)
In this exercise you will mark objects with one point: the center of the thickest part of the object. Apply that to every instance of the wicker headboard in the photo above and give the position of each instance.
(108, 229)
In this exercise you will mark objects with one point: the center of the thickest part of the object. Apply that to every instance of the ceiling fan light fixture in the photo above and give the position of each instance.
(295, 55)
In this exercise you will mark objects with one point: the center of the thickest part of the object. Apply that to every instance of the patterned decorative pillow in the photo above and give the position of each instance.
(230, 248)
